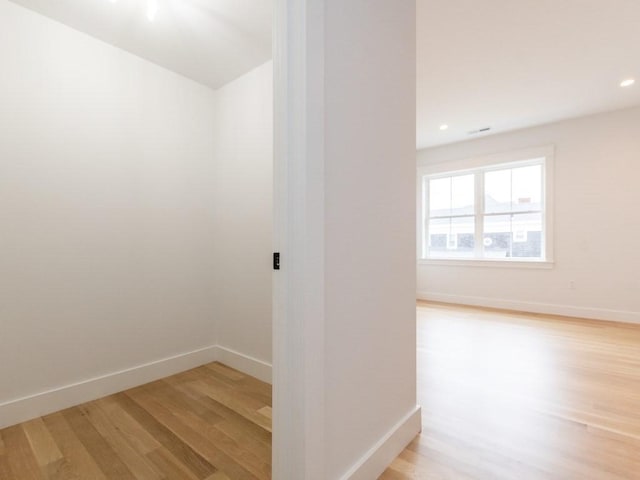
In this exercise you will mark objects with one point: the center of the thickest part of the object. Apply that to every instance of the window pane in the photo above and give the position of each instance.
(527, 188)
(462, 195)
(513, 236)
(451, 237)
(497, 191)
(451, 196)
(513, 189)
(440, 197)
(527, 235)
(497, 236)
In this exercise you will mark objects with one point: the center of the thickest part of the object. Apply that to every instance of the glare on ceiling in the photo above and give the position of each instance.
(628, 82)
(444, 127)
(152, 10)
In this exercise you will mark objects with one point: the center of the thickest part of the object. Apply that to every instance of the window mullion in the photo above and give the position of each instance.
(479, 214)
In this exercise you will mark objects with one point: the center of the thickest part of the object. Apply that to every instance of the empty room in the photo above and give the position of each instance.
(137, 160)
(156, 157)
(528, 141)
(319, 239)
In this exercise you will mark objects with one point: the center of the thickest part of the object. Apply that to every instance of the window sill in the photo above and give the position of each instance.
(444, 262)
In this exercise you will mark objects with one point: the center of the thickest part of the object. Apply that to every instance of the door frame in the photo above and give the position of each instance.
(298, 288)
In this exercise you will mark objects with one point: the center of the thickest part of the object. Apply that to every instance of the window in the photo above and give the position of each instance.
(491, 209)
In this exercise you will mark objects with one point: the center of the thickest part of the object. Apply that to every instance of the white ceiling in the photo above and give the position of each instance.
(504, 64)
(209, 41)
(510, 64)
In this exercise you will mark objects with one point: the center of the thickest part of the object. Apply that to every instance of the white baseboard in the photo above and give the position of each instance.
(380, 456)
(246, 364)
(534, 307)
(33, 406)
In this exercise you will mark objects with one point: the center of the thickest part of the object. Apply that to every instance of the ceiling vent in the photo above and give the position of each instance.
(480, 130)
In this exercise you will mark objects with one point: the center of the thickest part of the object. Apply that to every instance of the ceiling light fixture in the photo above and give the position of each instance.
(152, 10)
(628, 82)
(444, 127)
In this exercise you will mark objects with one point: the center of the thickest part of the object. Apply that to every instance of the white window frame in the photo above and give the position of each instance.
(486, 163)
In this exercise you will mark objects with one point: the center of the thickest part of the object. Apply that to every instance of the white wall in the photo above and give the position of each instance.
(243, 136)
(345, 351)
(106, 201)
(370, 347)
(597, 234)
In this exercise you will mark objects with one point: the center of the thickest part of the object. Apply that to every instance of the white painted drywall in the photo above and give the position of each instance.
(369, 225)
(106, 198)
(344, 302)
(596, 231)
(243, 136)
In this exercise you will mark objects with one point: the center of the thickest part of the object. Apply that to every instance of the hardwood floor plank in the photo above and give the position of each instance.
(231, 416)
(105, 457)
(241, 404)
(260, 449)
(77, 463)
(5, 470)
(42, 443)
(253, 387)
(184, 403)
(196, 463)
(63, 470)
(134, 432)
(228, 372)
(219, 451)
(218, 476)
(20, 458)
(135, 461)
(265, 412)
(172, 468)
(203, 418)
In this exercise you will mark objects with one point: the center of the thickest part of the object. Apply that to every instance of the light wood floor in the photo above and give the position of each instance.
(211, 423)
(516, 396)
(505, 396)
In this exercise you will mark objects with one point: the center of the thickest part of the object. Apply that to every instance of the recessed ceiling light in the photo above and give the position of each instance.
(628, 82)
(444, 127)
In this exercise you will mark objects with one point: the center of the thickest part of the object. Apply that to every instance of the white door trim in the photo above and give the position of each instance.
(298, 329)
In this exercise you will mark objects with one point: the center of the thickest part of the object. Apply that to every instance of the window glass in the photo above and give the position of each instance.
(510, 222)
(452, 237)
(526, 190)
(451, 196)
(526, 234)
(497, 191)
(462, 195)
(513, 236)
(497, 238)
(440, 197)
